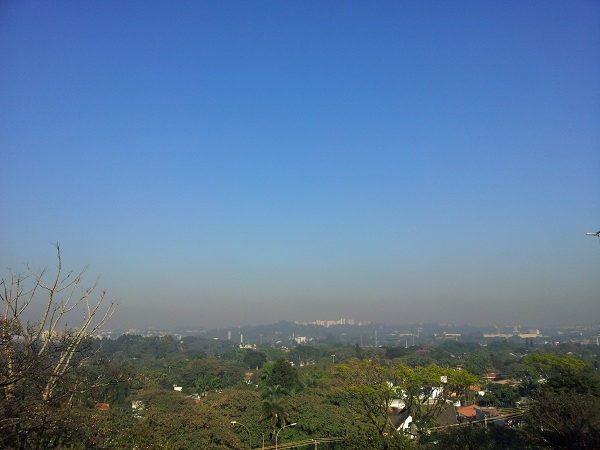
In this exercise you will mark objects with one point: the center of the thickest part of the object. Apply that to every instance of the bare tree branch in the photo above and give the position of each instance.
(50, 339)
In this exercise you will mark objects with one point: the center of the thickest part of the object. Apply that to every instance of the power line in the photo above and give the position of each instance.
(504, 414)
(303, 443)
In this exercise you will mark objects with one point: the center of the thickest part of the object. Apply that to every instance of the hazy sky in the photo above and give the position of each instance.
(223, 163)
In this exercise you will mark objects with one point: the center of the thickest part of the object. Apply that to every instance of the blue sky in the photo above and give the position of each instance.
(223, 163)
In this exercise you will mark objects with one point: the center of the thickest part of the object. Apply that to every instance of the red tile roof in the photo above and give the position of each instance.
(467, 411)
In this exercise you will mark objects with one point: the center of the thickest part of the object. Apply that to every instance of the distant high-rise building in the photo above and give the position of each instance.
(330, 323)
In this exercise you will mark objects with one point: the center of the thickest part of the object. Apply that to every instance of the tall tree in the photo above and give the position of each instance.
(428, 390)
(369, 390)
(371, 386)
(285, 375)
(565, 411)
(41, 362)
(273, 411)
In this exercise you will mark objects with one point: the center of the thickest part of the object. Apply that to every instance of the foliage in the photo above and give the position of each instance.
(565, 411)
(371, 386)
(315, 376)
(538, 368)
(45, 366)
(547, 365)
(273, 411)
(369, 391)
(471, 356)
(364, 436)
(499, 396)
(170, 420)
(478, 438)
(317, 416)
(210, 373)
(565, 420)
(253, 359)
(426, 391)
(134, 346)
(72, 428)
(283, 374)
(397, 352)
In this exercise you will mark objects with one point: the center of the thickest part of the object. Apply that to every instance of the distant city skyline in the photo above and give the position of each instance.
(232, 163)
(420, 335)
(327, 323)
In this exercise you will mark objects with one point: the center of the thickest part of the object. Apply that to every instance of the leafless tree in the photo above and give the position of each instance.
(47, 346)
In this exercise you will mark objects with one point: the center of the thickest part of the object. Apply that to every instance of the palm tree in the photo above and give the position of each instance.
(205, 383)
(272, 408)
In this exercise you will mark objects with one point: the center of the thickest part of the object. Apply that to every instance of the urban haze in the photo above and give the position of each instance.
(227, 164)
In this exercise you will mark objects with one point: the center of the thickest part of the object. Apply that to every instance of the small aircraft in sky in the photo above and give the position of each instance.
(597, 234)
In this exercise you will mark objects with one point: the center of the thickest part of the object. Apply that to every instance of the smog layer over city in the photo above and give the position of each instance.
(228, 164)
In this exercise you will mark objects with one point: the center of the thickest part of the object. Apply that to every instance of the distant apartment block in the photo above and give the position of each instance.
(330, 323)
(529, 334)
